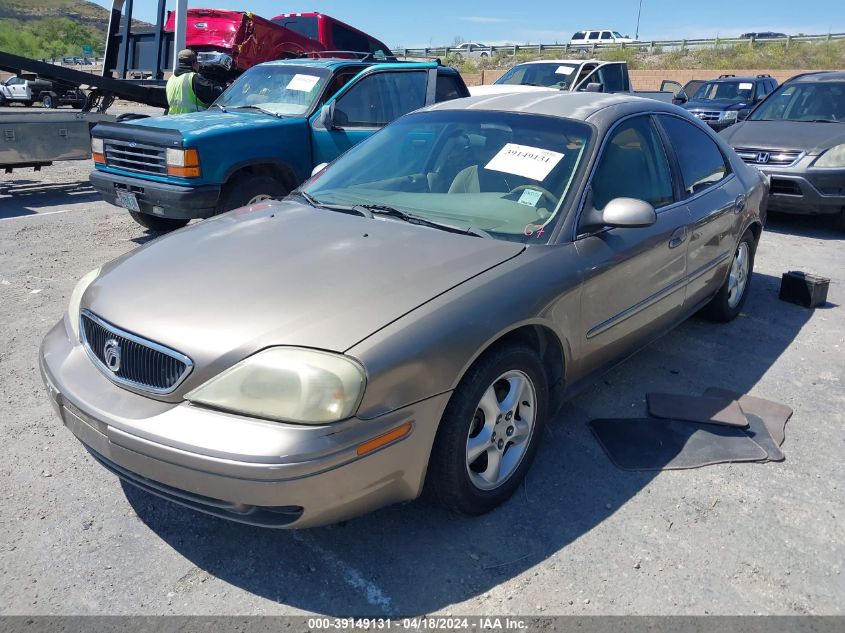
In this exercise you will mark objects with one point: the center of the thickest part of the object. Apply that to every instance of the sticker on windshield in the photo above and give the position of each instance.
(530, 197)
(303, 83)
(524, 160)
(564, 70)
(746, 86)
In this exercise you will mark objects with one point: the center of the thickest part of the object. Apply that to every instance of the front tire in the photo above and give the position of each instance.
(246, 190)
(487, 437)
(728, 302)
(157, 224)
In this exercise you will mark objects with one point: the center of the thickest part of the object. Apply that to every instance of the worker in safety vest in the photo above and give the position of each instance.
(187, 90)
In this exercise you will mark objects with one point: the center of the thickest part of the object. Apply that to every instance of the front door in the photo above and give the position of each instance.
(366, 105)
(633, 286)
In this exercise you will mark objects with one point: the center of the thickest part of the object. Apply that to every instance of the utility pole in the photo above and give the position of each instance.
(640, 10)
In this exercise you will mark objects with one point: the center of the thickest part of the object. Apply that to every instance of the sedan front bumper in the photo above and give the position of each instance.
(244, 469)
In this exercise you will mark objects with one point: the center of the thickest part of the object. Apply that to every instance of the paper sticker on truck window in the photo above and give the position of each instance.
(564, 70)
(303, 83)
(746, 85)
(523, 160)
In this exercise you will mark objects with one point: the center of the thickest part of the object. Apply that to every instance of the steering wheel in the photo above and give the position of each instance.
(548, 195)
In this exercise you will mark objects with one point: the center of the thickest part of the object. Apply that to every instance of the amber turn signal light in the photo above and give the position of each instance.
(386, 438)
(184, 163)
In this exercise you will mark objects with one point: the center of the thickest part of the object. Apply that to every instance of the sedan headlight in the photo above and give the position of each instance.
(290, 384)
(834, 157)
(76, 299)
(729, 115)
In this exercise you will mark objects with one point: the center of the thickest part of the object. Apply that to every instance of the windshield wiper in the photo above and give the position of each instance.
(219, 106)
(818, 121)
(255, 107)
(382, 209)
(353, 209)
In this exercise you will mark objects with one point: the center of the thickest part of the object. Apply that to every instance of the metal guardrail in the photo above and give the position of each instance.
(649, 45)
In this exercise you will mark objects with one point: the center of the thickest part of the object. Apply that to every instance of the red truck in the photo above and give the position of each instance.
(332, 33)
(238, 40)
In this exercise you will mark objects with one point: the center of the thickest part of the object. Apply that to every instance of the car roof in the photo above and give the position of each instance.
(833, 75)
(737, 79)
(561, 61)
(573, 105)
(336, 62)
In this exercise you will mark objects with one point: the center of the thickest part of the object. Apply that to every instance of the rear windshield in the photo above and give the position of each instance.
(306, 26)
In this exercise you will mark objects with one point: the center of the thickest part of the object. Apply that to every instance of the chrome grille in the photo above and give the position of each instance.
(706, 115)
(773, 157)
(141, 364)
(133, 156)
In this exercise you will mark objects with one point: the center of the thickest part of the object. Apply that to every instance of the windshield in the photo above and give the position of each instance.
(733, 91)
(278, 89)
(503, 173)
(553, 75)
(817, 101)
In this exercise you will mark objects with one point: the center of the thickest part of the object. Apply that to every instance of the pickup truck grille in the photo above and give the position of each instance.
(706, 115)
(773, 157)
(130, 360)
(132, 156)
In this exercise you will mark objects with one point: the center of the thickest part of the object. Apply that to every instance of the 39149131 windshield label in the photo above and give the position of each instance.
(524, 160)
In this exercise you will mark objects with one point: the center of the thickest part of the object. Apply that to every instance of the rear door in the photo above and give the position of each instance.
(369, 102)
(715, 199)
(612, 76)
(633, 277)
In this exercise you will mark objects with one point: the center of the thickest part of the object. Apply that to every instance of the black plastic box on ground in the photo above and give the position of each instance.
(805, 290)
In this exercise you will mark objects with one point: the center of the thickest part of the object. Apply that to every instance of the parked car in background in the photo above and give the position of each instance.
(413, 316)
(333, 34)
(724, 101)
(573, 75)
(762, 35)
(588, 37)
(30, 89)
(260, 139)
(470, 50)
(797, 138)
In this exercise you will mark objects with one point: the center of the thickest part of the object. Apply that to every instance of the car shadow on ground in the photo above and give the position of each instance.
(415, 558)
(820, 227)
(23, 197)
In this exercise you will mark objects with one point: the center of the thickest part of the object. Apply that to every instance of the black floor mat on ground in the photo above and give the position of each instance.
(774, 414)
(656, 444)
(713, 409)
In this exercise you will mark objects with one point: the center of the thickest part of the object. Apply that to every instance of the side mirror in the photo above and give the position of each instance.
(594, 87)
(622, 213)
(680, 98)
(327, 116)
(319, 168)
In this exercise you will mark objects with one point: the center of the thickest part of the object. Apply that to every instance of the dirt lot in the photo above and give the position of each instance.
(581, 537)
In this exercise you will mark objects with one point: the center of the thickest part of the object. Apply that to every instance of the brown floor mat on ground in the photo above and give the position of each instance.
(657, 444)
(706, 409)
(773, 414)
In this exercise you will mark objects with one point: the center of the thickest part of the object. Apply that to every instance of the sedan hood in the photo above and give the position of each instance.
(812, 138)
(282, 273)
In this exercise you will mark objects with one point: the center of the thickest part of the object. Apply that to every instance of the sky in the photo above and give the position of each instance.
(420, 23)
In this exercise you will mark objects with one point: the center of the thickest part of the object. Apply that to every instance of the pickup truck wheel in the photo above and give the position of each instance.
(26, 103)
(155, 223)
(48, 101)
(489, 431)
(246, 190)
(2, 99)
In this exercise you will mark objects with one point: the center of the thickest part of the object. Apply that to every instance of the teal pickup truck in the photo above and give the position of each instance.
(260, 139)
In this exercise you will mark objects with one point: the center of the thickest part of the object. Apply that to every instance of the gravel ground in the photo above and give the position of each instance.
(581, 537)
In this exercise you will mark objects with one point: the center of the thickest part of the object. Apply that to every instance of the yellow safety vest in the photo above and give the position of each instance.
(181, 97)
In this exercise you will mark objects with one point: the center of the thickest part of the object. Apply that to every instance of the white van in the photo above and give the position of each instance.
(597, 36)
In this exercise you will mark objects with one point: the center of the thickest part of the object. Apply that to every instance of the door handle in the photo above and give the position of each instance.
(678, 237)
(739, 205)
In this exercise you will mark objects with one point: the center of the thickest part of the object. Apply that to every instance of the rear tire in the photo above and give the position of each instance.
(499, 406)
(157, 224)
(49, 101)
(249, 189)
(728, 302)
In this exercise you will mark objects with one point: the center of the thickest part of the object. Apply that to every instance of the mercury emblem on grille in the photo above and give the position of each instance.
(111, 355)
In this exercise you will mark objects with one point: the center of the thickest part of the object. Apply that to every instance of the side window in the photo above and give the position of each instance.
(700, 159)
(381, 97)
(578, 36)
(447, 88)
(605, 35)
(348, 40)
(633, 164)
(594, 35)
(610, 77)
(342, 78)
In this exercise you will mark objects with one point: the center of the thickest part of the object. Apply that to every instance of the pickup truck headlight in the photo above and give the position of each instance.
(728, 115)
(76, 299)
(832, 158)
(184, 163)
(97, 154)
(289, 384)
